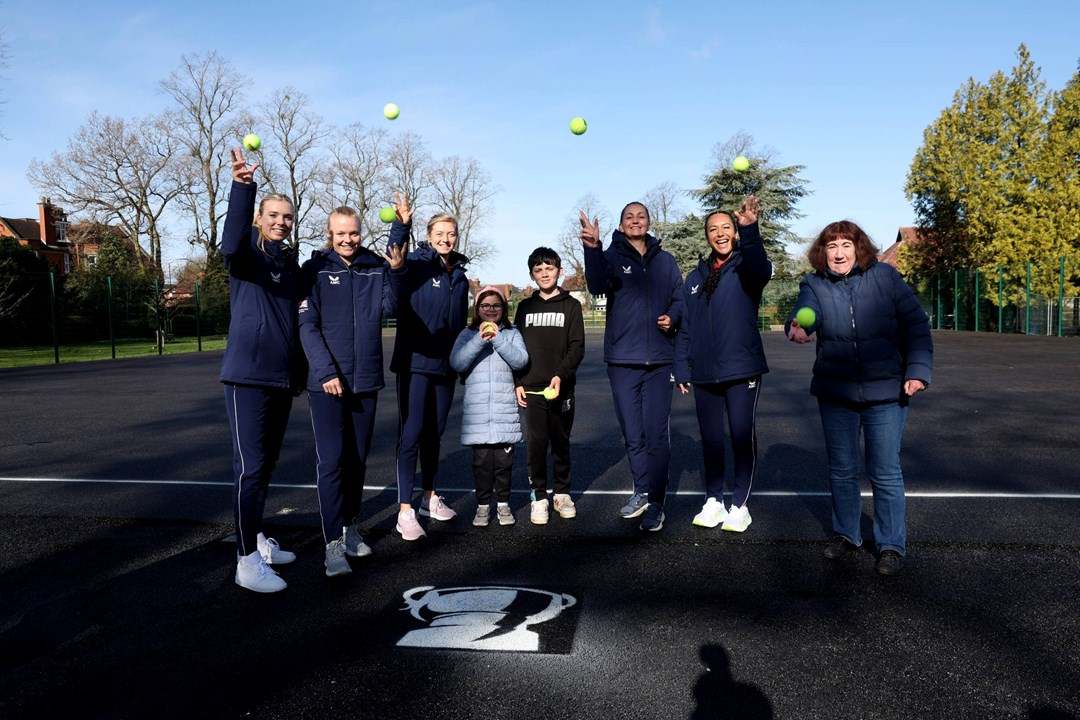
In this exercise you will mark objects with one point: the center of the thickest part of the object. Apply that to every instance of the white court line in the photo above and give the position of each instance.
(382, 488)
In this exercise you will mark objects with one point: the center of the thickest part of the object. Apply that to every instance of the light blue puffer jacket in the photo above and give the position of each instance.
(490, 410)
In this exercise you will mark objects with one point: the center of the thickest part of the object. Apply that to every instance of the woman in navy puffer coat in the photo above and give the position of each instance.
(874, 352)
(486, 354)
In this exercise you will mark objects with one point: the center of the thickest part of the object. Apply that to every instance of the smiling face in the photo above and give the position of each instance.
(275, 219)
(840, 255)
(443, 237)
(720, 232)
(546, 276)
(344, 235)
(634, 223)
(490, 308)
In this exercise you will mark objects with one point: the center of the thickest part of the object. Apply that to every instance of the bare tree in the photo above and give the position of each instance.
(409, 172)
(570, 237)
(662, 202)
(741, 143)
(208, 94)
(119, 172)
(462, 188)
(359, 177)
(291, 162)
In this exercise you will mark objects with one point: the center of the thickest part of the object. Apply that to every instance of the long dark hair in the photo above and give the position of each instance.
(504, 321)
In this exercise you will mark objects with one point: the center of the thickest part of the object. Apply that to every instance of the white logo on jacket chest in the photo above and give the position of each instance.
(693, 290)
(546, 319)
(436, 282)
(335, 280)
(626, 269)
(276, 277)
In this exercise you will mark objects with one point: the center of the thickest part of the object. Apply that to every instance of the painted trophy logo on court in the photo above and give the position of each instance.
(499, 618)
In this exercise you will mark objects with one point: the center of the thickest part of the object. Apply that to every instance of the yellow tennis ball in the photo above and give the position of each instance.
(741, 164)
(550, 393)
(391, 111)
(252, 142)
(387, 214)
(578, 126)
(806, 317)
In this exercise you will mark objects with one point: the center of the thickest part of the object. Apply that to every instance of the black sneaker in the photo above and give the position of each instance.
(838, 547)
(654, 517)
(889, 562)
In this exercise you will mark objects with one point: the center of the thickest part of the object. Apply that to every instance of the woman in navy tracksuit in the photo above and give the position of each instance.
(874, 352)
(348, 290)
(433, 310)
(718, 351)
(262, 365)
(643, 286)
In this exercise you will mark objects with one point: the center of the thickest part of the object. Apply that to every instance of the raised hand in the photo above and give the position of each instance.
(401, 207)
(747, 212)
(395, 255)
(241, 173)
(797, 335)
(590, 231)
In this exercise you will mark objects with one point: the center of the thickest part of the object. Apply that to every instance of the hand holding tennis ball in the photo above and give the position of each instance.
(550, 393)
(252, 142)
(806, 317)
(387, 214)
(488, 330)
(741, 164)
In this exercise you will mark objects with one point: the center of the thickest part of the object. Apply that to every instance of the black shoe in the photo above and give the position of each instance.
(889, 563)
(838, 547)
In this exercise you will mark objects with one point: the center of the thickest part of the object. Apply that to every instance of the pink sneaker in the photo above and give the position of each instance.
(436, 509)
(408, 526)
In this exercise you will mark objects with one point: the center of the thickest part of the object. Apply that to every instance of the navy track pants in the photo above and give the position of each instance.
(423, 406)
(642, 395)
(343, 428)
(733, 403)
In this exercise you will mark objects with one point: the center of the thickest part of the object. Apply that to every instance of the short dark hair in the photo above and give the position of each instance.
(636, 202)
(542, 255)
(865, 251)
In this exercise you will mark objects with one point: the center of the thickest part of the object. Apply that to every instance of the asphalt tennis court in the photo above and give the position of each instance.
(117, 599)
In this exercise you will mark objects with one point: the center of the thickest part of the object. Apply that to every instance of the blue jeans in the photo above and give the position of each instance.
(882, 426)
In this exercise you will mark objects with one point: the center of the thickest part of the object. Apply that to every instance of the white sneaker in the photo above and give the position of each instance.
(538, 513)
(336, 564)
(354, 542)
(738, 519)
(436, 509)
(503, 512)
(712, 514)
(564, 506)
(252, 573)
(272, 552)
(409, 526)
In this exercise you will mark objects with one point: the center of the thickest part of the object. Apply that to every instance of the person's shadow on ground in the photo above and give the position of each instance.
(718, 695)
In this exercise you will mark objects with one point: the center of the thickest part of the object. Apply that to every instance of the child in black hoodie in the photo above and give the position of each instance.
(551, 323)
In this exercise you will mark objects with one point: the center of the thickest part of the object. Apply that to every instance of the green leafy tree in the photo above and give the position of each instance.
(973, 181)
(86, 296)
(778, 188)
(24, 295)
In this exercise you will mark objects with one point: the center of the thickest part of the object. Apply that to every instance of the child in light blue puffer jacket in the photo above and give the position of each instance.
(486, 353)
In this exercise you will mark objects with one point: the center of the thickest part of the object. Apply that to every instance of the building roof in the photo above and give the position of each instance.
(908, 235)
(23, 228)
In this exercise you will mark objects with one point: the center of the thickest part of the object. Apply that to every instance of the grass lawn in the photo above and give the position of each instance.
(102, 350)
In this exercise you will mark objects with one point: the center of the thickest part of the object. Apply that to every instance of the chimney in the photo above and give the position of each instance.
(47, 221)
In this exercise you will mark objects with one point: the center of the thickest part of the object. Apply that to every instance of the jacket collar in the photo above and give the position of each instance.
(622, 245)
(424, 251)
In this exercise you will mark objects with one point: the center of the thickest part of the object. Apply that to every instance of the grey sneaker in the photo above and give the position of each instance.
(505, 515)
(637, 504)
(654, 517)
(354, 542)
(483, 516)
(336, 564)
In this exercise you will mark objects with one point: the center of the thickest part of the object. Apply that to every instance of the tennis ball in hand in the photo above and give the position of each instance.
(550, 393)
(741, 164)
(252, 142)
(387, 214)
(486, 327)
(578, 126)
(806, 317)
(391, 111)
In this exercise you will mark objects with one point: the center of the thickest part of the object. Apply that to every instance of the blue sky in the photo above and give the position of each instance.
(844, 88)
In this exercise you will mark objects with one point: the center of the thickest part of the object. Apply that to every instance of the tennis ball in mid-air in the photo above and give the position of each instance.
(806, 317)
(741, 164)
(252, 142)
(387, 214)
(578, 126)
(550, 393)
(391, 111)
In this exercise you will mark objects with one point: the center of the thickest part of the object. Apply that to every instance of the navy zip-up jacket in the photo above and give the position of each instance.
(262, 348)
(872, 334)
(719, 338)
(433, 311)
(341, 318)
(639, 289)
